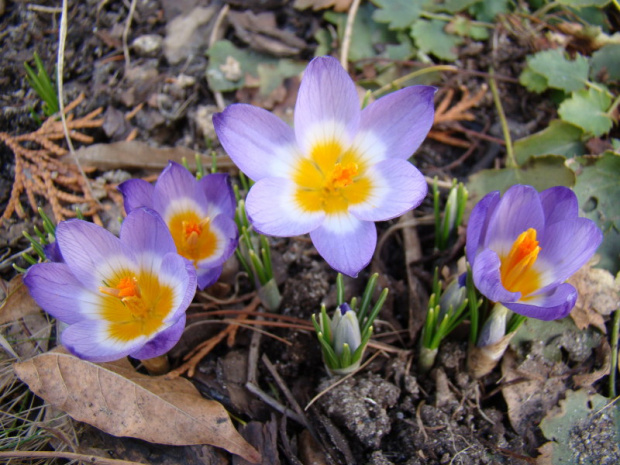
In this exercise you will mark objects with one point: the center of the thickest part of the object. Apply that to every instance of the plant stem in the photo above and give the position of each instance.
(511, 162)
(396, 83)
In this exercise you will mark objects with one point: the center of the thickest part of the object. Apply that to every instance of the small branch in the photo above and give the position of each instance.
(132, 9)
(348, 33)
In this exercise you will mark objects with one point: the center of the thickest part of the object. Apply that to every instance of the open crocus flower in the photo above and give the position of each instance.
(523, 247)
(120, 297)
(199, 215)
(339, 170)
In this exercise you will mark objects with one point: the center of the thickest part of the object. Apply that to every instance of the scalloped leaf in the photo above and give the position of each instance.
(399, 14)
(559, 138)
(431, 37)
(588, 109)
(560, 72)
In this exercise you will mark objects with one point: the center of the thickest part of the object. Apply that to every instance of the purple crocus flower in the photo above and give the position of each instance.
(339, 170)
(120, 297)
(199, 214)
(523, 246)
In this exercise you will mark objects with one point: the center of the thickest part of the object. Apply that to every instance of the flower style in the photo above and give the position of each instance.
(120, 297)
(200, 215)
(339, 170)
(523, 246)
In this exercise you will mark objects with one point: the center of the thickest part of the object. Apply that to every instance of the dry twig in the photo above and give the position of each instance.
(40, 171)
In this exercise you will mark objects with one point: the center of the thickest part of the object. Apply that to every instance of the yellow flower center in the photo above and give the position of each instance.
(331, 179)
(517, 269)
(193, 236)
(135, 306)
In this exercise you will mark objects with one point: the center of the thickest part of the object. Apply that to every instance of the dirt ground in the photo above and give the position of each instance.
(389, 413)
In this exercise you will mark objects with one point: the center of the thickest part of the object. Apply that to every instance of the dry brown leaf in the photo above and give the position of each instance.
(530, 388)
(598, 296)
(116, 399)
(339, 5)
(17, 303)
(138, 155)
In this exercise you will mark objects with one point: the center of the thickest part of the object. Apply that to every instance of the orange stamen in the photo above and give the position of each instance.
(342, 176)
(126, 287)
(516, 270)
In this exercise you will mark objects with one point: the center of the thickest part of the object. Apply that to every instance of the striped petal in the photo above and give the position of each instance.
(559, 203)
(552, 305)
(145, 232)
(395, 125)
(346, 243)
(225, 231)
(177, 185)
(259, 143)
(180, 275)
(208, 276)
(398, 186)
(518, 210)
(136, 193)
(219, 194)
(92, 253)
(488, 280)
(163, 342)
(478, 224)
(273, 210)
(328, 107)
(57, 291)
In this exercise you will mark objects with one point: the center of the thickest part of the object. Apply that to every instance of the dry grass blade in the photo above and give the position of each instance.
(40, 172)
(116, 399)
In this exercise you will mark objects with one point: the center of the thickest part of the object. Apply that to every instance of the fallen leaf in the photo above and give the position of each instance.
(116, 399)
(138, 155)
(17, 303)
(598, 296)
(339, 5)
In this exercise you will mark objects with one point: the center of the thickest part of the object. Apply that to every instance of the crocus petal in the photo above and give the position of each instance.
(225, 230)
(176, 184)
(219, 194)
(58, 292)
(567, 245)
(92, 253)
(208, 276)
(145, 232)
(136, 193)
(559, 203)
(518, 210)
(52, 252)
(328, 107)
(398, 186)
(88, 340)
(395, 125)
(272, 208)
(180, 275)
(555, 304)
(487, 278)
(479, 223)
(345, 242)
(258, 142)
(163, 342)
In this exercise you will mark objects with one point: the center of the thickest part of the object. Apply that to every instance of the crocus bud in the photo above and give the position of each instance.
(452, 298)
(345, 329)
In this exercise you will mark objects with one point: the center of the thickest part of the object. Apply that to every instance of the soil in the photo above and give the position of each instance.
(389, 413)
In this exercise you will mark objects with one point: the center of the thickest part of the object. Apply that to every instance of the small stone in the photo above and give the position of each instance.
(203, 118)
(148, 45)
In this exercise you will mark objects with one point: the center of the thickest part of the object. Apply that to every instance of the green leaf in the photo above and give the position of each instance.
(539, 172)
(228, 66)
(431, 37)
(399, 14)
(271, 75)
(559, 138)
(576, 427)
(464, 26)
(598, 190)
(587, 109)
(487, 10)
(451, 6)
(583, 3)
(533, 81)
(561, 73)
(605, 63)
